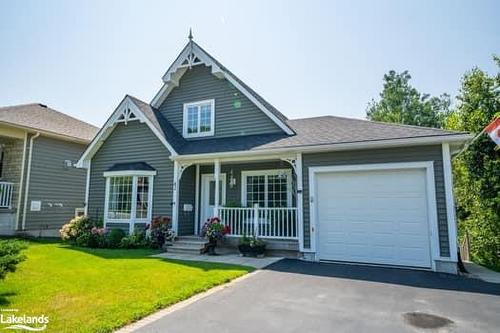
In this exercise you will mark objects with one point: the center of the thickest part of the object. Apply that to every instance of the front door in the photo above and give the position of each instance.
(208, 195)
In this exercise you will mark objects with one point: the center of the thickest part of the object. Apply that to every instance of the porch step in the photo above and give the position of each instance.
(188, 245)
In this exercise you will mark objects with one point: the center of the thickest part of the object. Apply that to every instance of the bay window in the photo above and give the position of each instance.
(129, 197)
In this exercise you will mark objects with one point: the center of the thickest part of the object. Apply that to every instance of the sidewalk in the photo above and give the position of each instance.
(225, 258)
(482, 273)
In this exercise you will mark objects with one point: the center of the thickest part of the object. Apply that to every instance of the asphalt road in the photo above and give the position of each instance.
(296, 296)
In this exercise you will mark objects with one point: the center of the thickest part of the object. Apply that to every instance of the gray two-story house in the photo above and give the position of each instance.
(40, 187)
(324, 188)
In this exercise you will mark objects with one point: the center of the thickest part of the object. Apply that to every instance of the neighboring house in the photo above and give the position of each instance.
(323, 188)
(40, 188)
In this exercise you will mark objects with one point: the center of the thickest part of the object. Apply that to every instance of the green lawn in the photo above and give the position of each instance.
(84, 290)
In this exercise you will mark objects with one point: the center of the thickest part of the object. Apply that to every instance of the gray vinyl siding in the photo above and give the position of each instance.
(60, 188)
(235, 114)
(392, 155)
(187, 190)
(134, 142)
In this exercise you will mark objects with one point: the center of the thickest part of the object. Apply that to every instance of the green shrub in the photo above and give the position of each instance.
(251, 241)
(10, 256)
(77, 227)
(114, 237)
(138, 239)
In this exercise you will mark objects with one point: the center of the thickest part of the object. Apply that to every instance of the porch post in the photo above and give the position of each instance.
(300, 202)
(216, 178)
(175, 196)
(197, 201)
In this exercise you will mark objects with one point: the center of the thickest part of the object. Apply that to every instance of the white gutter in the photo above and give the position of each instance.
(28, 178)
(21, 181)
(459, 138)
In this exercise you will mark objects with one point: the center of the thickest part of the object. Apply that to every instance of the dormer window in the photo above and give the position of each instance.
(199, 119)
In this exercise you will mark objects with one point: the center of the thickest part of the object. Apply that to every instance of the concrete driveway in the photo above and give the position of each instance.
(295, 296)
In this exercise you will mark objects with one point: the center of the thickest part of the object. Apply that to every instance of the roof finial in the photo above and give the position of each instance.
(190, 34)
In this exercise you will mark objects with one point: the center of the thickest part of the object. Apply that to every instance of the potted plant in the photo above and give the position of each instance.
(160, 232)
(252, 246)
(214, 230)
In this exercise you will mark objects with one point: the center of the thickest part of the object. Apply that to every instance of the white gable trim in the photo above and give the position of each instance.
(187, 59)
(126, 111)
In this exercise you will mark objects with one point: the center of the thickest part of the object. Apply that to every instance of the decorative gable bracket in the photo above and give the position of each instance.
(126, 111)
(193, 55)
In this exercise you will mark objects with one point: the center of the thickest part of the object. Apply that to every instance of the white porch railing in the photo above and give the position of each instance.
(280, 223)
(6, 190)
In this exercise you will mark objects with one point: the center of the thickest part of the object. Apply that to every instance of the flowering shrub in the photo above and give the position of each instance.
(160, 231)
(77, 227)
(214, 230)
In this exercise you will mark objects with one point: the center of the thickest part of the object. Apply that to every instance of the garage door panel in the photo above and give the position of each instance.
(373, 217)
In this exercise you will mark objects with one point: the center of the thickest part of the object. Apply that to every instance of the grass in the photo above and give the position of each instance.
(98, 290)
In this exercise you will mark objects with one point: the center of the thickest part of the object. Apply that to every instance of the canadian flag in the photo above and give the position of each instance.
(493, 130)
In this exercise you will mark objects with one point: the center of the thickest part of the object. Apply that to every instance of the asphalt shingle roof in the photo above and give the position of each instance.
(315, 131)
(40, 117)
(133, 166)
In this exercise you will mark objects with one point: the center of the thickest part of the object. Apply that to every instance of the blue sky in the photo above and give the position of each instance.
(307, 58)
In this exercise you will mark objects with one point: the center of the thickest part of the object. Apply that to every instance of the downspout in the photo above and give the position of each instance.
(21, 181)
(32, 139)
(87, 189)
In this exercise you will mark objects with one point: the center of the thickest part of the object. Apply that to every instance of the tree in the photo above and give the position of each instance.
(401, 103)
(477, 170)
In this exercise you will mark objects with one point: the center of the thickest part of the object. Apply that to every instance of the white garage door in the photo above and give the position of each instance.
(377, 216)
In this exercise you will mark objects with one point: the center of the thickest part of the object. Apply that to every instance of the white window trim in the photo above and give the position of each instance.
(129, 173)
(185, 119)
(273, 172)
(132, 220)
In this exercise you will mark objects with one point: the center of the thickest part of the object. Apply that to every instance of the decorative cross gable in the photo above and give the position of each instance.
(194, 55)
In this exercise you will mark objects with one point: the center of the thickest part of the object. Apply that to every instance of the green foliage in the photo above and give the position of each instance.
(99, 290)
(10, 256)
(76, 228)
(138, 239)
(161, 231)
(251, 241)
(401, 103)
(477, 170)
(114, 238)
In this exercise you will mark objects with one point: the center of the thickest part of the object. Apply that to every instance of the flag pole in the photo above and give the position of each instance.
(474, 140)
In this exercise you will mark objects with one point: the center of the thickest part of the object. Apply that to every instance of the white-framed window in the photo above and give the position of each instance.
(199, 119)
(267, 188)
(129, 197)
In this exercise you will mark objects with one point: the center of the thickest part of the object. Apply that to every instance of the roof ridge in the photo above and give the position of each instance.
(275, 110)
(19, 105)
(45, 106)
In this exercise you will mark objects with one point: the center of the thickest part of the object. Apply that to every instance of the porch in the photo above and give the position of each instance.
(260, 196)
(11, 161)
